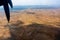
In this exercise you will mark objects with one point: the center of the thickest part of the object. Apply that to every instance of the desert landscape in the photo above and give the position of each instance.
(31, 24)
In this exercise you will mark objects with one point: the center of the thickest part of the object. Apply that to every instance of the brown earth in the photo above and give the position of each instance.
(31, 24)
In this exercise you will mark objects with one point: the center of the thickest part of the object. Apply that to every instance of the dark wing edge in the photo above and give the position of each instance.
(7, 12)
(10, 3)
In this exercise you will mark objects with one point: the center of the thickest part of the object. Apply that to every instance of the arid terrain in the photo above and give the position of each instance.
(31, 24)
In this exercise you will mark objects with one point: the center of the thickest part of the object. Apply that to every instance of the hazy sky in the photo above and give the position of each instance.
(36, 2)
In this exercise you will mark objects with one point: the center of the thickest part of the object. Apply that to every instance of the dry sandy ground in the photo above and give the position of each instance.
(31, 24)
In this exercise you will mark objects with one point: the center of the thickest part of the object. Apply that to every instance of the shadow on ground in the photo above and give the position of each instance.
(33, 31)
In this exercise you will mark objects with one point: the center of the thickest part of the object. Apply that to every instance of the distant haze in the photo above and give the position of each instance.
(23, 4)
(36, 2)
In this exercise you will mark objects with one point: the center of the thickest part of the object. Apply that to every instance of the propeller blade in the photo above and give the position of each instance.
(10, 2)
(7, 12)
